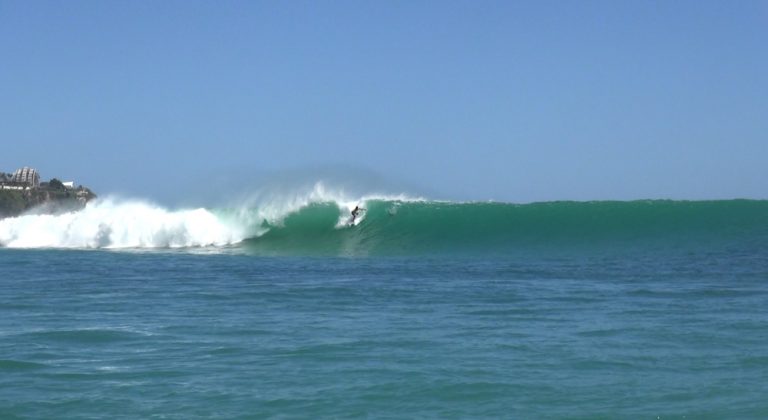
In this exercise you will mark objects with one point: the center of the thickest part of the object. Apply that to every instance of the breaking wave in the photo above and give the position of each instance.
(118, 223)
(317, 221)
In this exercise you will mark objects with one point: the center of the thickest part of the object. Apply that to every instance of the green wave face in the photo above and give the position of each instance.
(408, 228)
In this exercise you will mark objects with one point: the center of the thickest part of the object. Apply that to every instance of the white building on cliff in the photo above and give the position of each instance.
(22, 179)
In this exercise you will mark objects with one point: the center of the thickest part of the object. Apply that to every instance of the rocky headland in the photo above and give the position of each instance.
(22, 192)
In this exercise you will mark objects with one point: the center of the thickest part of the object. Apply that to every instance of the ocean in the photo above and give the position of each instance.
(417, 309)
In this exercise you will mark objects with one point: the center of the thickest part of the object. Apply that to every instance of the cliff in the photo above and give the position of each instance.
(43, 200)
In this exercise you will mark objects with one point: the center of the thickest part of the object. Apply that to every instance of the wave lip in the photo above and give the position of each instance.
(272, 208)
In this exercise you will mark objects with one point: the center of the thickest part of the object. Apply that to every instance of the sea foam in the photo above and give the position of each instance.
(113, 223)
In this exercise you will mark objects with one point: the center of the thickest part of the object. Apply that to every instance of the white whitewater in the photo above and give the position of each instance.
(113, 224)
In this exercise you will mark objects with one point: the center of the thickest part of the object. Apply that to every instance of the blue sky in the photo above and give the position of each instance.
(513, 101)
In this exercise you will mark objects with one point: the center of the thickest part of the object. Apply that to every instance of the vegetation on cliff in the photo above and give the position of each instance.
(49, 199)
(12, 203)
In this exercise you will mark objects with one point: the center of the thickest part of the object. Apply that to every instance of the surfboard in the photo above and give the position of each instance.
(355, 220)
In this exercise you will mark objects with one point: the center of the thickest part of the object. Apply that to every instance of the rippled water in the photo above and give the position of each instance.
(165, 334)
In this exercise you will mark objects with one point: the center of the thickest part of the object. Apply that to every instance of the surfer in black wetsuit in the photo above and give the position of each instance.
(355, 212)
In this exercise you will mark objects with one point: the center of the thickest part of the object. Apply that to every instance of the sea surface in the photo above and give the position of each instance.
(646, 309)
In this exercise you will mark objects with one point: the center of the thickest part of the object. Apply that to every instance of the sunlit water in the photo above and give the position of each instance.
(198, 334)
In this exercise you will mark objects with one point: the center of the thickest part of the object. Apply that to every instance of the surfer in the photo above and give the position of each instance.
(355, 212)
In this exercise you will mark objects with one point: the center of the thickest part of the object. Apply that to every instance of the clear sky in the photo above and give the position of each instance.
(510, 100)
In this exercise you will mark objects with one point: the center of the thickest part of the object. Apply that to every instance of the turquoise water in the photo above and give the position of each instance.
(439, 228)
(546, 316)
